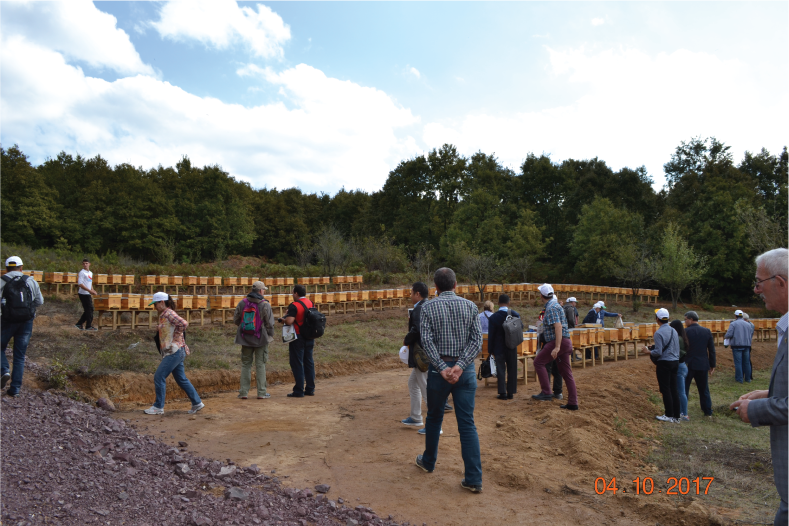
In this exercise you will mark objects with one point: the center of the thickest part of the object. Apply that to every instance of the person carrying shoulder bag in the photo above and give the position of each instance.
(665, 355)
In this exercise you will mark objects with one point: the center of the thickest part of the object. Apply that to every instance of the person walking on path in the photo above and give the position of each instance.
(700, 359)
(21, 296)
(559, 347)
(173, 348)
(255, 322)
(740, 334)
(417, 381)
(452, 338)
(506, 358)
(85, 292)
(666, 354)
(769, 408)
(682, 370)
(302, 363)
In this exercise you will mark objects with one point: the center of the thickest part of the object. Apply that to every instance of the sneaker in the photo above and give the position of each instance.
(79, 327)
(473, 488)
(571, 407)
(510, 397)
(422, 465)
(261, 397)
(309, 393)
(502, 397)
(542, 397)
(447, 407)
(243, 397)
(684, 418)
(154, 411)
(411, 422)
(196, 408)
(423, 431)
(6, 377)
(91, 329)
(295, 395)
(559, 396)
(664, 418)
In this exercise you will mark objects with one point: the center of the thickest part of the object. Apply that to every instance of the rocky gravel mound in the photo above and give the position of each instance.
(66, 462)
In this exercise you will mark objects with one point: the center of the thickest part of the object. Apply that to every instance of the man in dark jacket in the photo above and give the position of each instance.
(417, 382)
(700, 359)
(506, 358)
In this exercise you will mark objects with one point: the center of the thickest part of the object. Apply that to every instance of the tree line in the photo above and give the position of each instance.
(572, 221)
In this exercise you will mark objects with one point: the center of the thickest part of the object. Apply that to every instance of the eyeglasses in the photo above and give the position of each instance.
(766, 279)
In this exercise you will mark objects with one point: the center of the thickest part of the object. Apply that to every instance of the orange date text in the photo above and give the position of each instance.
(646, 486)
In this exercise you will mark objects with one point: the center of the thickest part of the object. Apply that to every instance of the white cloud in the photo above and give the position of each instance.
(598, 21)
(222, 23)
(333, 133)
(78, 30)
(415, 72)
(635, 110)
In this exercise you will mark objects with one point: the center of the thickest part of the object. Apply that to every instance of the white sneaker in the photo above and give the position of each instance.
(684, 418)
(664, 418)
(196, 408)
(154, 411)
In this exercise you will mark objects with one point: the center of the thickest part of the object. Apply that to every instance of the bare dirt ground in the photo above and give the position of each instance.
(539, 462)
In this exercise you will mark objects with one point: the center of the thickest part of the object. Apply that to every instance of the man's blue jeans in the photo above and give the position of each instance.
(682, 374)
(463, 393)
(174, 363)
(20, 332)
(742, 363)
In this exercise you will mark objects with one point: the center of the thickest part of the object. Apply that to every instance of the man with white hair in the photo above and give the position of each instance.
(769, 408)
(739, 337)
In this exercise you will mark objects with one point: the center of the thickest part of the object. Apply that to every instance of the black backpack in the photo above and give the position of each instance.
(18, 306)
(314, 323)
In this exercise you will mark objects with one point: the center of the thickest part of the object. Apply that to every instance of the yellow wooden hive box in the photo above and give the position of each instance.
(176, 280)
(53, 277)
(231, 281)
(130, 301)
(340, 296)
(162, 280)
(190, 280)
(611, 335)
(215, 280)
(144, 280)
(363, 295)
(579, 337)
(71, 277)
(111, 301)
(202, 280)
(145, 302)
(127, 279)
(101, 279)
(220, 302)
(200, 302)
(185, 302)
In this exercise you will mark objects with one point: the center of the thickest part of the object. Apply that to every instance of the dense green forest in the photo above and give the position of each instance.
(574, 221)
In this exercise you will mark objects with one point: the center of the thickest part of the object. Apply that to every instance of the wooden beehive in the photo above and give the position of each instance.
(635, 332)
(340, 297)
(101, 279)
(219, 302)
(184, 302)
(625, 333)
(162, 280)
(611, 335)
(145, 280)
(270, 281)
(111, 301)
(772, 323)
(127, 279)
(433, 291)
(71, 277)
(190, 280)
(375, 294)
(244, 281)
(725, 325)
(215, 281)
(579, 337)
(145, 302)
(130, 301)
(200, 302)
(202, 280)
(302, 281)
(176, 280)
(53, 277)
(274, 300)
(357, 279)
(363, 295)
(324, 280)
(329, 297)
(231, 281)
(288, 281)
(351, 296)
(254, 279)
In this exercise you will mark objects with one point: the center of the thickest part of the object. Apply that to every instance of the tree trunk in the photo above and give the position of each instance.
(674, 297)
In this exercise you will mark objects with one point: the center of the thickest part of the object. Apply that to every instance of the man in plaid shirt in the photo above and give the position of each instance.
(452, 338)
(555, 326)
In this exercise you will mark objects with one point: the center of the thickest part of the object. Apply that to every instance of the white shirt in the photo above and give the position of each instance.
(85, 278)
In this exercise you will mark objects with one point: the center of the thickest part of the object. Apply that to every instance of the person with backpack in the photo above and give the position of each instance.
(506, 356)
(308, 324)
(255, 322)
(665, 355)
(20, 298)
(171, 341)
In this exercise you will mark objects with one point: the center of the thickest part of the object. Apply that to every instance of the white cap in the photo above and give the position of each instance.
(545, 289)
(601, 303)
(597, 306)
(661, 314)
(159, 296)
(13, 261)
(572, 298)
(738, 312)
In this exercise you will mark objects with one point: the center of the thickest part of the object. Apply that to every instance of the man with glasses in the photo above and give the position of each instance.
(769, 408)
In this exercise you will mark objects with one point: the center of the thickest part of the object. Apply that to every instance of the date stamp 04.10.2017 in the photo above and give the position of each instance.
(646, 486)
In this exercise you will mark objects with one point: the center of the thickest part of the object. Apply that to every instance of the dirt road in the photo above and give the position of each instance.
(539, 462)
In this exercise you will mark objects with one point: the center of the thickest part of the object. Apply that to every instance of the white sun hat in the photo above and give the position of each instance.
(545, 289)
(159, 296)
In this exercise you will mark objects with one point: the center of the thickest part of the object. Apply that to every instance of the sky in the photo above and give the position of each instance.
(330, 95)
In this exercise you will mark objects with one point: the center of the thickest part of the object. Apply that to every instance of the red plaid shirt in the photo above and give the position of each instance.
(171, 323)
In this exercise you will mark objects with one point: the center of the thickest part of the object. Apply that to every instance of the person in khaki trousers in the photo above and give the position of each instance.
(254, 346)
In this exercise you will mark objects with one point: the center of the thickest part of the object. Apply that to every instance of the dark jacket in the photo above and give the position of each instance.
(571, 313)
(701, 345)
(496, 332)
(591, 317)
(413, 335)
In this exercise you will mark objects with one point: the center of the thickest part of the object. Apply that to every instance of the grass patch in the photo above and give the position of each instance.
(621, 426)
(724, 447)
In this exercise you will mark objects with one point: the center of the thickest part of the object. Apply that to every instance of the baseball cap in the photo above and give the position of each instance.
(259, 285)
(545, 289)
(601, 303)
(13, 261)
(159, 296)
(738, 312)
(661, 314)
(571, 298)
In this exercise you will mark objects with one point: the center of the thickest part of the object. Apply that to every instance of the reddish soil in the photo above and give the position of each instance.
(539, 462)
